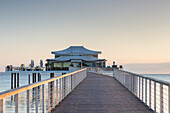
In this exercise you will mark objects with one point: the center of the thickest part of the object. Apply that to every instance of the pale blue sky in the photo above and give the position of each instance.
(127, 31)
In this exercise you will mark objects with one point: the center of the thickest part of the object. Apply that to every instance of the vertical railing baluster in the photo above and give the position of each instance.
(169, 98)
(67, 85)
(43, 99)
(154, 96)
(71, 82)
(139, 87)
(146, 91)
(161, 99)
(142, 90)
(134, 85)
(131, 83)
(60, 89)
(150, 93)
(36, 99)
(1, 106)
(53, 95)
(16, 103)
(49, 97)
(28, 101)
(57, 92)
(64, 87)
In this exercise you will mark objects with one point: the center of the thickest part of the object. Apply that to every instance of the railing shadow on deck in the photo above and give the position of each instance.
(41, 96)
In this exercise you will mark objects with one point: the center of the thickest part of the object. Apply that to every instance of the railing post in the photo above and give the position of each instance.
(43, 99)
(145, 91)
(66, 83)
(131, 83)
(1, 106)
(169, 97)
(134, 92)
(150, 93)
(53, 95)
(142, 89)
(139, 87)
(28, 101)
(64, 88)
(154, 96)
(16, 103)
(57, 101)
(49, 97)
(161, 99)
(71, 82)
(60, 92)
(36, 99)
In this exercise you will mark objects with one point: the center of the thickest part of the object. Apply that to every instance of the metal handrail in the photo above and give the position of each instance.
(152, 92)
(62, 85)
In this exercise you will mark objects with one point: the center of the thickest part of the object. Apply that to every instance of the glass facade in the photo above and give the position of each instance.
(77, 64)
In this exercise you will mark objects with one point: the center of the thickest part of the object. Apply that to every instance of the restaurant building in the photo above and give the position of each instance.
(75, 56)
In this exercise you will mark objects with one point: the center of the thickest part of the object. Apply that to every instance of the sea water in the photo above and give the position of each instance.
(164, 77)
(5, 80)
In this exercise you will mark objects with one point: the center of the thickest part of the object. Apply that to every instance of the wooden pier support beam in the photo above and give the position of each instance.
(17, 80)
(34, 78)
(52, 75)
(12, 81)
(29, 79)
(39, 77)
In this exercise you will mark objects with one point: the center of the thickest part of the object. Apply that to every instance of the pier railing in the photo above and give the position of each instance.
(42, 96)
(154, 93)
(103, 71)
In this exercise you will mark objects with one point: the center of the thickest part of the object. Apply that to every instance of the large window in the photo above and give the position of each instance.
(57, 64)
(67, 64)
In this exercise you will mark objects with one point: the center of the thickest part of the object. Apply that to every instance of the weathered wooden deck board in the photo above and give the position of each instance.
(101, 94)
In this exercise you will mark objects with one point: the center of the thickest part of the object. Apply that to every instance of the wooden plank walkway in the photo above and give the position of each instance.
(101, 94)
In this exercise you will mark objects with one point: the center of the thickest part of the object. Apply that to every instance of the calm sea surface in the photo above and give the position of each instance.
(5, 80)
(164, 77)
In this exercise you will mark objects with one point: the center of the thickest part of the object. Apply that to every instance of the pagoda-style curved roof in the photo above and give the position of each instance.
(76, 50)
(68, 58)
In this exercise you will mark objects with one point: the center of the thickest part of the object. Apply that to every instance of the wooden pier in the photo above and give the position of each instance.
(101, 94)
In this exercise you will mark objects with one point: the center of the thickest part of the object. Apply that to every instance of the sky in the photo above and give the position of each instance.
(134, 33)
